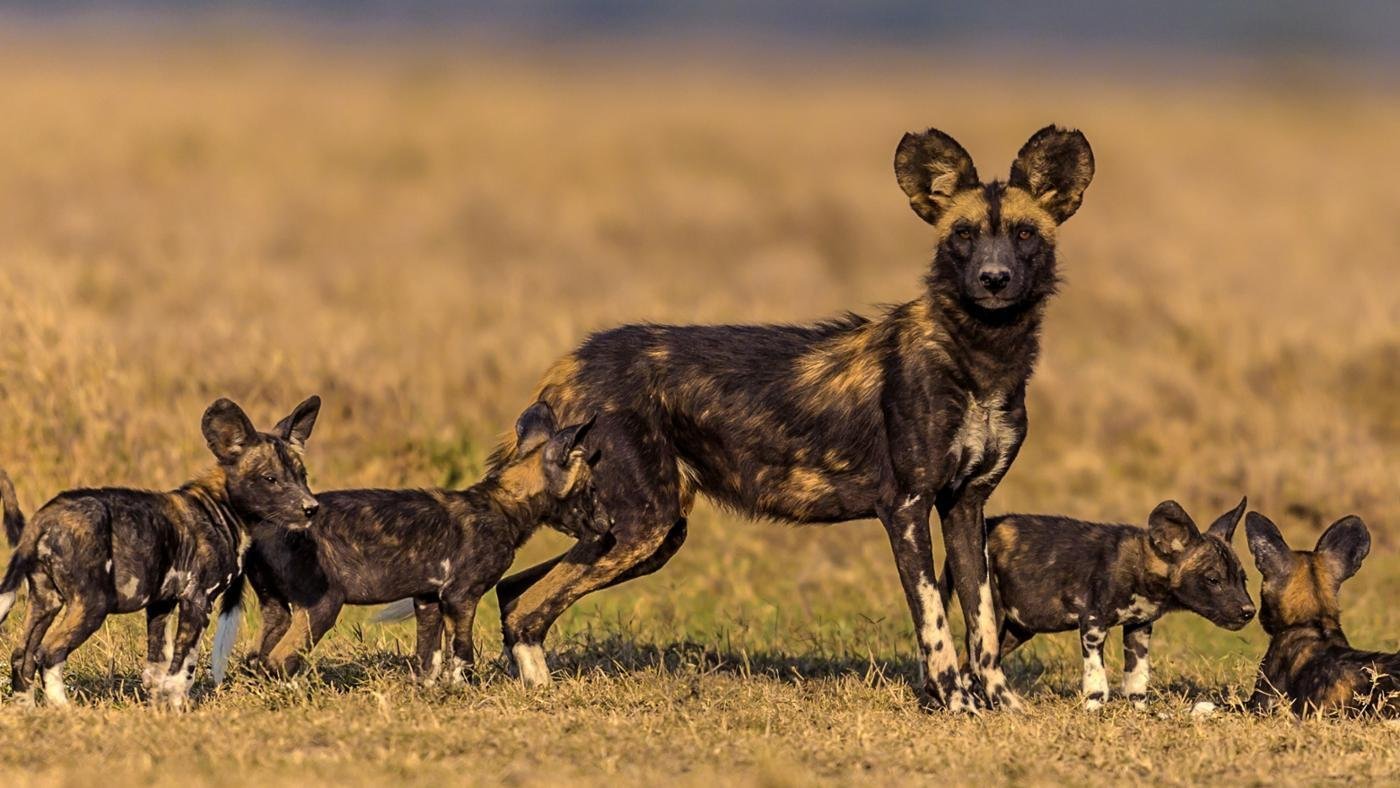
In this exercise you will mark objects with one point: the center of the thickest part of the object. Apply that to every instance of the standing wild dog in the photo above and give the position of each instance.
(919, 409)
(1310, 666)
(90, 553)
(442, 548)
(1054, 574)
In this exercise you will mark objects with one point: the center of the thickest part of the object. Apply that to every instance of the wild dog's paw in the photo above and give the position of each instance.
(1139, 701)
(24, 700)
(152, 675)
(530, 661)
(1094, 701)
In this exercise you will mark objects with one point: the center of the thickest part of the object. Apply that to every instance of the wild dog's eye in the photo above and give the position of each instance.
(1025, 234)
(1213, 579)
(963, 232)
(269, 478)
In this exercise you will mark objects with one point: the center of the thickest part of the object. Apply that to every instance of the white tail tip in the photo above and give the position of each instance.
(394, 611)
(224, 638)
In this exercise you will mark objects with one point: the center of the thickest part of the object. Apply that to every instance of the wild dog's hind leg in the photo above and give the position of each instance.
(276, 620)
(965, 535)
(174, 690)
(1136, 640)
(427, 614)
(308, 626)
(908, 531)
(44, 606)
(638, 481)
(160, 643)
(1092, 633)
(82, 615)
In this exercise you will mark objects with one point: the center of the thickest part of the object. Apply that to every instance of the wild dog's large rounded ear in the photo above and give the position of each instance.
(227, 430)
(534, 427)
(297, 426)
(1170, 529)
(1271, 554)
(931, 167)
(1055, 166)
(1224, 526)
(565, 444)
(1343, 546)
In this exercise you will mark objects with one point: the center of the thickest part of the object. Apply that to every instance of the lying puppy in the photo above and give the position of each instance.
(1054, 574)
(442, 548)
(90, 553)
(1310, 666)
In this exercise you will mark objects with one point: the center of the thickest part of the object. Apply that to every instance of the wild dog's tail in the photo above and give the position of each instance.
(230, 617)
(394, 611)
(21, 563)
(14, 518)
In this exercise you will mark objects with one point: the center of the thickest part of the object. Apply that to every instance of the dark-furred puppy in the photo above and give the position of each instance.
(1054, 574)
(90, 553)
(1310, 667)
(442, 548)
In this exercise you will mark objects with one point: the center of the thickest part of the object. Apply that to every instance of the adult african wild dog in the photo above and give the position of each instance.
(919, 409)
(1054, 574)
(1310, 667)
(442, 548)
(90, 553)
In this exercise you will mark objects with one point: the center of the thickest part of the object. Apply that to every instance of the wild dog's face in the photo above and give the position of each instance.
(1205, 575)
(552, 473)
(996, 241)
(264, 472)
(1300, 587)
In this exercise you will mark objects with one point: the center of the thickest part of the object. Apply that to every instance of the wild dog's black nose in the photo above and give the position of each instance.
(994, 279)
(310, 509)
(1247, 611)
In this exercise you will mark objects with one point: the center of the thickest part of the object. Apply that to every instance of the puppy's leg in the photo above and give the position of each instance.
(174, 688)
(276, 620)
(1092, 633)
(1136, 640)
(160, 642)
(460, 609)
(44, 606)
(82, 615)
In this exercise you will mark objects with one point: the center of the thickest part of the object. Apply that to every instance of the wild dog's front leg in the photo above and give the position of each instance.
(460, 610)
(965, 535)
(427, 613)
(1136, 640)
(160, 644)
(174, 688)
(907, 526)
(1092, 633)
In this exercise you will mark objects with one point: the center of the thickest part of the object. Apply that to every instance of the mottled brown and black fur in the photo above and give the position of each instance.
(90, 553)
(1310, 667)
(921, 408)
(1055, 574)
(442, 548)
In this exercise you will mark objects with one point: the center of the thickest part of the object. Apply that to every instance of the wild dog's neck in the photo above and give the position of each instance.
(501, 508)
(1154, 573)
(1000, 345)
(1326, 630)
(210, 492)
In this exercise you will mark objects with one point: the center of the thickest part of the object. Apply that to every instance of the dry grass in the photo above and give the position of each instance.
(415, 237)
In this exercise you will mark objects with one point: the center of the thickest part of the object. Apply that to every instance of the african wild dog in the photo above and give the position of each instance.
(919, 409)
(90, 553)
(442, 548)
(1055, 574)
(1310, 666)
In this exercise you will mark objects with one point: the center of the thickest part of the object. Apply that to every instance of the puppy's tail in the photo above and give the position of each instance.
(394, 611)
(230, 617)
(14, 518)
(21, 563)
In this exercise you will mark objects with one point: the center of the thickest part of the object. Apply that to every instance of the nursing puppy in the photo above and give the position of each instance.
(1310, 667)
(87, 554)
(1054, 574)
(442, 548)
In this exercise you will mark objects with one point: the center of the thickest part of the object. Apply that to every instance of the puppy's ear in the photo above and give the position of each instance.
(1055, 166)
(297, 426)
(1171, 529)
(1271, 554)
(931, 167)
(227, 430)
(534, 427)
(566, 445)
(1224, 526)
(1343, 546)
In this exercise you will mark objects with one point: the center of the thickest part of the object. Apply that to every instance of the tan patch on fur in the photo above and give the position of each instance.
(297, 637)
(1308, 594)
(522, 481)
(840, 370)
(967, 205)
(1019, 207)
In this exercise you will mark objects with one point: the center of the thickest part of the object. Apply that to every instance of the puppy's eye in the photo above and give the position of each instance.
(269, 478)
(1025, 234)
(963, 232)
(1213, 579)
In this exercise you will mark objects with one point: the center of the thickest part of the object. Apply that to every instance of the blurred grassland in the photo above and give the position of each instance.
(415, 236)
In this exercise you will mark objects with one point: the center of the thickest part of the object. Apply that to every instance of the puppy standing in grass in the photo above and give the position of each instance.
(1054, 574)
(90, 553)
(444, 549)
(1310, 667)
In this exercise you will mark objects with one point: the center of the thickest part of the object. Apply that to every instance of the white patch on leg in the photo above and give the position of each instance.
(175, 686)
(128, 587)
(529, 660)
(987, 637)
(54, 692)
(434, 668)
(1095, 680)
(1135, 680)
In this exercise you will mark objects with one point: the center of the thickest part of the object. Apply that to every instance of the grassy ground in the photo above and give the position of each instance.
(415, 237)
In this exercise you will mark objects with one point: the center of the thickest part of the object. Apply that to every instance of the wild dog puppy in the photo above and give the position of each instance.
(90, 553)
(1310, 666)
(442, 548)
(916, 410)
(1054, 574)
